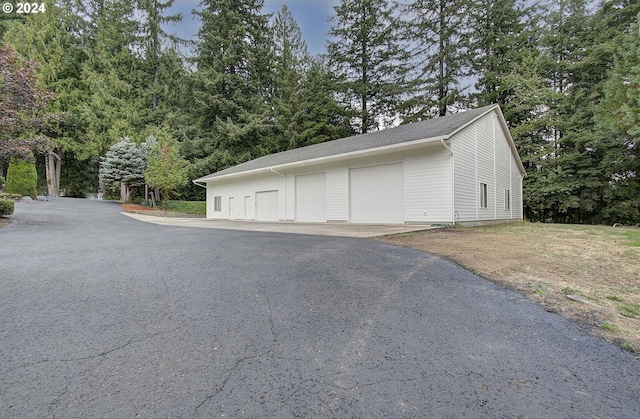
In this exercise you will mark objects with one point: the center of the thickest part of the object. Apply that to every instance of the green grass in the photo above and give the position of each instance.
(633, 235)
(610, 327)
(629, 310)
(187, 207)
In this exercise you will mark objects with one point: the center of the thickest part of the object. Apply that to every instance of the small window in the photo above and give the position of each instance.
(217, 203)
(507, 199)
(483, 195)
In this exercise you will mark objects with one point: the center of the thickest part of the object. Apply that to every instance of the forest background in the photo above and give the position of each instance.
(79, 76)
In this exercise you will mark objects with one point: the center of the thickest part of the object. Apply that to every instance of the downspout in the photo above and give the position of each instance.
(453, 177)
(205, 196)
(286, 198)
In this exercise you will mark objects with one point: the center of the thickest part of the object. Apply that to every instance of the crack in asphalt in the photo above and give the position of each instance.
(88, 357)
(269, 352)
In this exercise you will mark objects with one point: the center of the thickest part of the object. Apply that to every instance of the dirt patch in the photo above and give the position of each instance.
(4, 222)
(551, 264)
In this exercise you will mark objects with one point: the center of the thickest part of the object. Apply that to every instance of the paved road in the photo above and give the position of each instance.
(102, 315)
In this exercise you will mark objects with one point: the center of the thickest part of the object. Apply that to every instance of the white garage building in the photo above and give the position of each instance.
(458, 168)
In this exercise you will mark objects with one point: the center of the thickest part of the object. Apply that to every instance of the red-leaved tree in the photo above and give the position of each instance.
(22, 107)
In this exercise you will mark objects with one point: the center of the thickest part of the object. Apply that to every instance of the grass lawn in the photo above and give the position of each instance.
(586, 273)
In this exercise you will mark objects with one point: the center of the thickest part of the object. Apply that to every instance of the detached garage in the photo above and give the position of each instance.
(457, 168)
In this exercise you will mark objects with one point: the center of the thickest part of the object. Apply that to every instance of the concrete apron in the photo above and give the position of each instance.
(319, 229)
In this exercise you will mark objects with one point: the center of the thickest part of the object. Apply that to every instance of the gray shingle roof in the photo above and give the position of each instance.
(438, 127)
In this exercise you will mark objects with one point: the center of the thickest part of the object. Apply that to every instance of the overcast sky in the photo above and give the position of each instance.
(311, 15)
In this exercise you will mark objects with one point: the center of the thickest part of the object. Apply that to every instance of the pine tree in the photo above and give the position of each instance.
(291, 58)
(231, 84)
(618, 115)
(111, 76)
(153, 36)
(439, 32)
(365, 53)
(123, 167)
(322, 117)
(499, 40)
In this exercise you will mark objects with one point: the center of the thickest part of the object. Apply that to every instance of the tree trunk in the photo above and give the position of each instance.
(124, 192)
(53, 163)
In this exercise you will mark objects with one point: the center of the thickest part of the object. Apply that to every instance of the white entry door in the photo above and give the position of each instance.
(311, 198)
(267, 206)
(376, 194)
(231, 213)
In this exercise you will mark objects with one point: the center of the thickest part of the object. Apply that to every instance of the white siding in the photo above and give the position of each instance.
(338, 193)
(483, 155)
(427, 185)
(466, 196)
(239, 189)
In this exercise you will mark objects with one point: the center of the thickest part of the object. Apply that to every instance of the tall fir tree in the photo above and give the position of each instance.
(231, 84)
(111, 75)
(322, 117)
(366, 55)
(439, 32)
(618, 117)
(154, 39)
(291, 59)
(499, 40)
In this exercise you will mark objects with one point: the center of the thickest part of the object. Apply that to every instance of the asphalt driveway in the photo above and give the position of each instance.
(102, 315)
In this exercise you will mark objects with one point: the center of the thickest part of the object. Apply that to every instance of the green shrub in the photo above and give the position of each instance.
(187, 207)
(6, 207)
(22, 178)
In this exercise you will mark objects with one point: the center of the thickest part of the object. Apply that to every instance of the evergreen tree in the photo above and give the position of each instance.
(22, 178)
(153, 36)
(59, 57)
(618, 114)
(439, 32)
(499, 40)
(322, 118)
(577, 46)
(123, 167)
(291, 58)
(231, 84)
(111, 76)
(365, 53)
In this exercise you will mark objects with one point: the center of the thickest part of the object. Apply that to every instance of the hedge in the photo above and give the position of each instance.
(6, 207)
(22, 178)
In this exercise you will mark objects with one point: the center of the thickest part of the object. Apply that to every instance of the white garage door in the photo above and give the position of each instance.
(267, 206)
(311, 198)
(376, 194)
